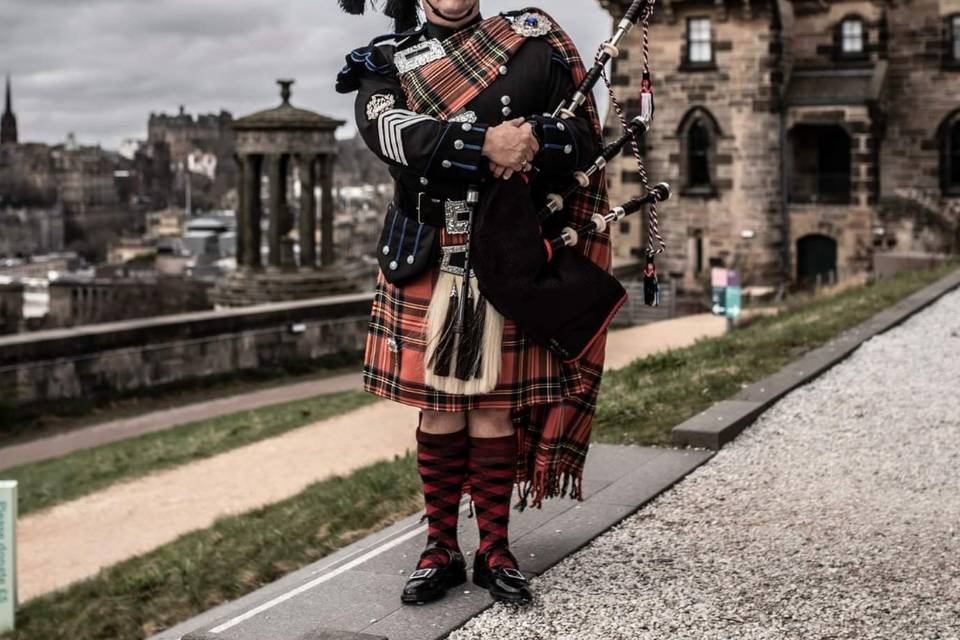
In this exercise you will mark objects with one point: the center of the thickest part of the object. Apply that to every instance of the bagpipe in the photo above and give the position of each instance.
(558, 296)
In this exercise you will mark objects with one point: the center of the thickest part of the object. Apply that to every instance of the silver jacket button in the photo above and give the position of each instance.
(466, 126)
(458, 145)
(505, 100)
(504, 70)
(424, 181)
(506, 111)
(568, 149)
(446, 164)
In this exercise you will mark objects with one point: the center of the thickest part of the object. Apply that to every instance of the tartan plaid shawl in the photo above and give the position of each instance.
(553, 438)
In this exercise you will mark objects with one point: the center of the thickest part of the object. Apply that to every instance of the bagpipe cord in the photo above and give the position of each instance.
(653, 221)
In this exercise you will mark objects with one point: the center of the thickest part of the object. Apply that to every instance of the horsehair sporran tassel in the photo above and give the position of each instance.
(447, 351)
(475, 354)
(469, 339)
(441, 325)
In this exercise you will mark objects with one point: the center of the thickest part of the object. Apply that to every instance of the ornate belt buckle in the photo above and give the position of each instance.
(446, 261)
(456, 216)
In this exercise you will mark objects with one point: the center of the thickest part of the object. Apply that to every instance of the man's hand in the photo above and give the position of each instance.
(509, 146)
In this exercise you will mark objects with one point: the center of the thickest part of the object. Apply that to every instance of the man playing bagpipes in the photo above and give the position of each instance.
(456, 109)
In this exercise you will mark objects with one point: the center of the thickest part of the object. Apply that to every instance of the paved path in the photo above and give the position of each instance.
(357, 588)
(74, 540)
(837, 515)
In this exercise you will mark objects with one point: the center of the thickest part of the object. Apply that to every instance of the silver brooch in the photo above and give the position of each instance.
(531, 24)
(379, 103)
(465, 116)
(418, 55)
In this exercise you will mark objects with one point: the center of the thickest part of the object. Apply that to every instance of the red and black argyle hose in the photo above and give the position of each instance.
(442, 464)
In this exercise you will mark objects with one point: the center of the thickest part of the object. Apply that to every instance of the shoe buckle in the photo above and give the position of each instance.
(510, 572)
(422, 573)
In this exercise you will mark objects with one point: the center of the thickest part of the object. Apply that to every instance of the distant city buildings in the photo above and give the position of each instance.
(89, 234)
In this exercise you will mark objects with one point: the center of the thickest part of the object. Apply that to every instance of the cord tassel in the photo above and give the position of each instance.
(475, 355)
(471, 338)
(442, 357)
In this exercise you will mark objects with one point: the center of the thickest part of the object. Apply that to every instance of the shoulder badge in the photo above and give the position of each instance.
(531, 24)
(380, 103)
(418, 55)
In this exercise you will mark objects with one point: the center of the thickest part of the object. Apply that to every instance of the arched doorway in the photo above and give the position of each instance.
(816, 256)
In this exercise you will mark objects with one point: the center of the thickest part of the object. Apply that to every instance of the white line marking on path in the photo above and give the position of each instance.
(320, 580)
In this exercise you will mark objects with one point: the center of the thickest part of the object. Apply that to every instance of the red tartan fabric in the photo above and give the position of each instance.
(552, 403)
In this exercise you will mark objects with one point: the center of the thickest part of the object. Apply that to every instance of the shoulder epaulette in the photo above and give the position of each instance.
(376, 57)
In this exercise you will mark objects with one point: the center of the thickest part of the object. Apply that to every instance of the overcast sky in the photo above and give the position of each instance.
(99, 67)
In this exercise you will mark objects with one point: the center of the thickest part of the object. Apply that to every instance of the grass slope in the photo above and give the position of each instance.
(640, 404)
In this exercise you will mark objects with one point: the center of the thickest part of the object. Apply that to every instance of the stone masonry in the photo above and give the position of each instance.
(784, 127)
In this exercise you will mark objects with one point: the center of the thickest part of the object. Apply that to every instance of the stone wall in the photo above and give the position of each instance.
(738, 94)
(106, 359)
(781, 61)
(920, 93)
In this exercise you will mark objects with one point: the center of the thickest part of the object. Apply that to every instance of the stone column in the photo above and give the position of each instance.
(241, 195)
(306, 164)
(251, 210)
(326, 210)
(278, 196)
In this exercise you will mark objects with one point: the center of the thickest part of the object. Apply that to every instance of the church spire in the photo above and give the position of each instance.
(8, 122)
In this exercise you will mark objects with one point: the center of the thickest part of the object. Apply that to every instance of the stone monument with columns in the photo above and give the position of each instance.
(278, 149)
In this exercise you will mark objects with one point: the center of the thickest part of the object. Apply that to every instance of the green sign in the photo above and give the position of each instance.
(731, 303)
(8, 553)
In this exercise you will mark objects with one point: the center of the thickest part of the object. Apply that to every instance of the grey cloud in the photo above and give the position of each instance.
(100, 67)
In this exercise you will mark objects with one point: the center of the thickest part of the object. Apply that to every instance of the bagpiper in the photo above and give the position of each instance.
(458, 107)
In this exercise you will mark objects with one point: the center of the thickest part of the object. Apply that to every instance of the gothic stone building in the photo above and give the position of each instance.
(799, 136)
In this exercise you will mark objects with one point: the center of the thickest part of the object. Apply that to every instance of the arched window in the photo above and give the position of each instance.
(698, 133)
(949, 135)
(698, 154)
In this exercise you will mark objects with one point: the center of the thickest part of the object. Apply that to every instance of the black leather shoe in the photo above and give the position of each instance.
(432, 583)
(503, 583)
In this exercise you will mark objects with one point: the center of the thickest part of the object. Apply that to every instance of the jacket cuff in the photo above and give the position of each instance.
(558, 147)
(457, 155)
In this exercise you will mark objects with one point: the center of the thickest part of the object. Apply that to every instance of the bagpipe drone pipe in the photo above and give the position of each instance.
(555, 294)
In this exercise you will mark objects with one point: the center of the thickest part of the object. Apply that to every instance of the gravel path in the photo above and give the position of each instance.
(837, 515)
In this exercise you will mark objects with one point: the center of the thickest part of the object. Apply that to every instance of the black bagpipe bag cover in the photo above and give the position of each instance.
(563, 302)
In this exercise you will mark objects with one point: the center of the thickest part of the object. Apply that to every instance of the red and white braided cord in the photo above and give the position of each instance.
(653, 221)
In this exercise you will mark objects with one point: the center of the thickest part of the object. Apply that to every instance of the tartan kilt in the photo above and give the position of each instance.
(393, 363)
